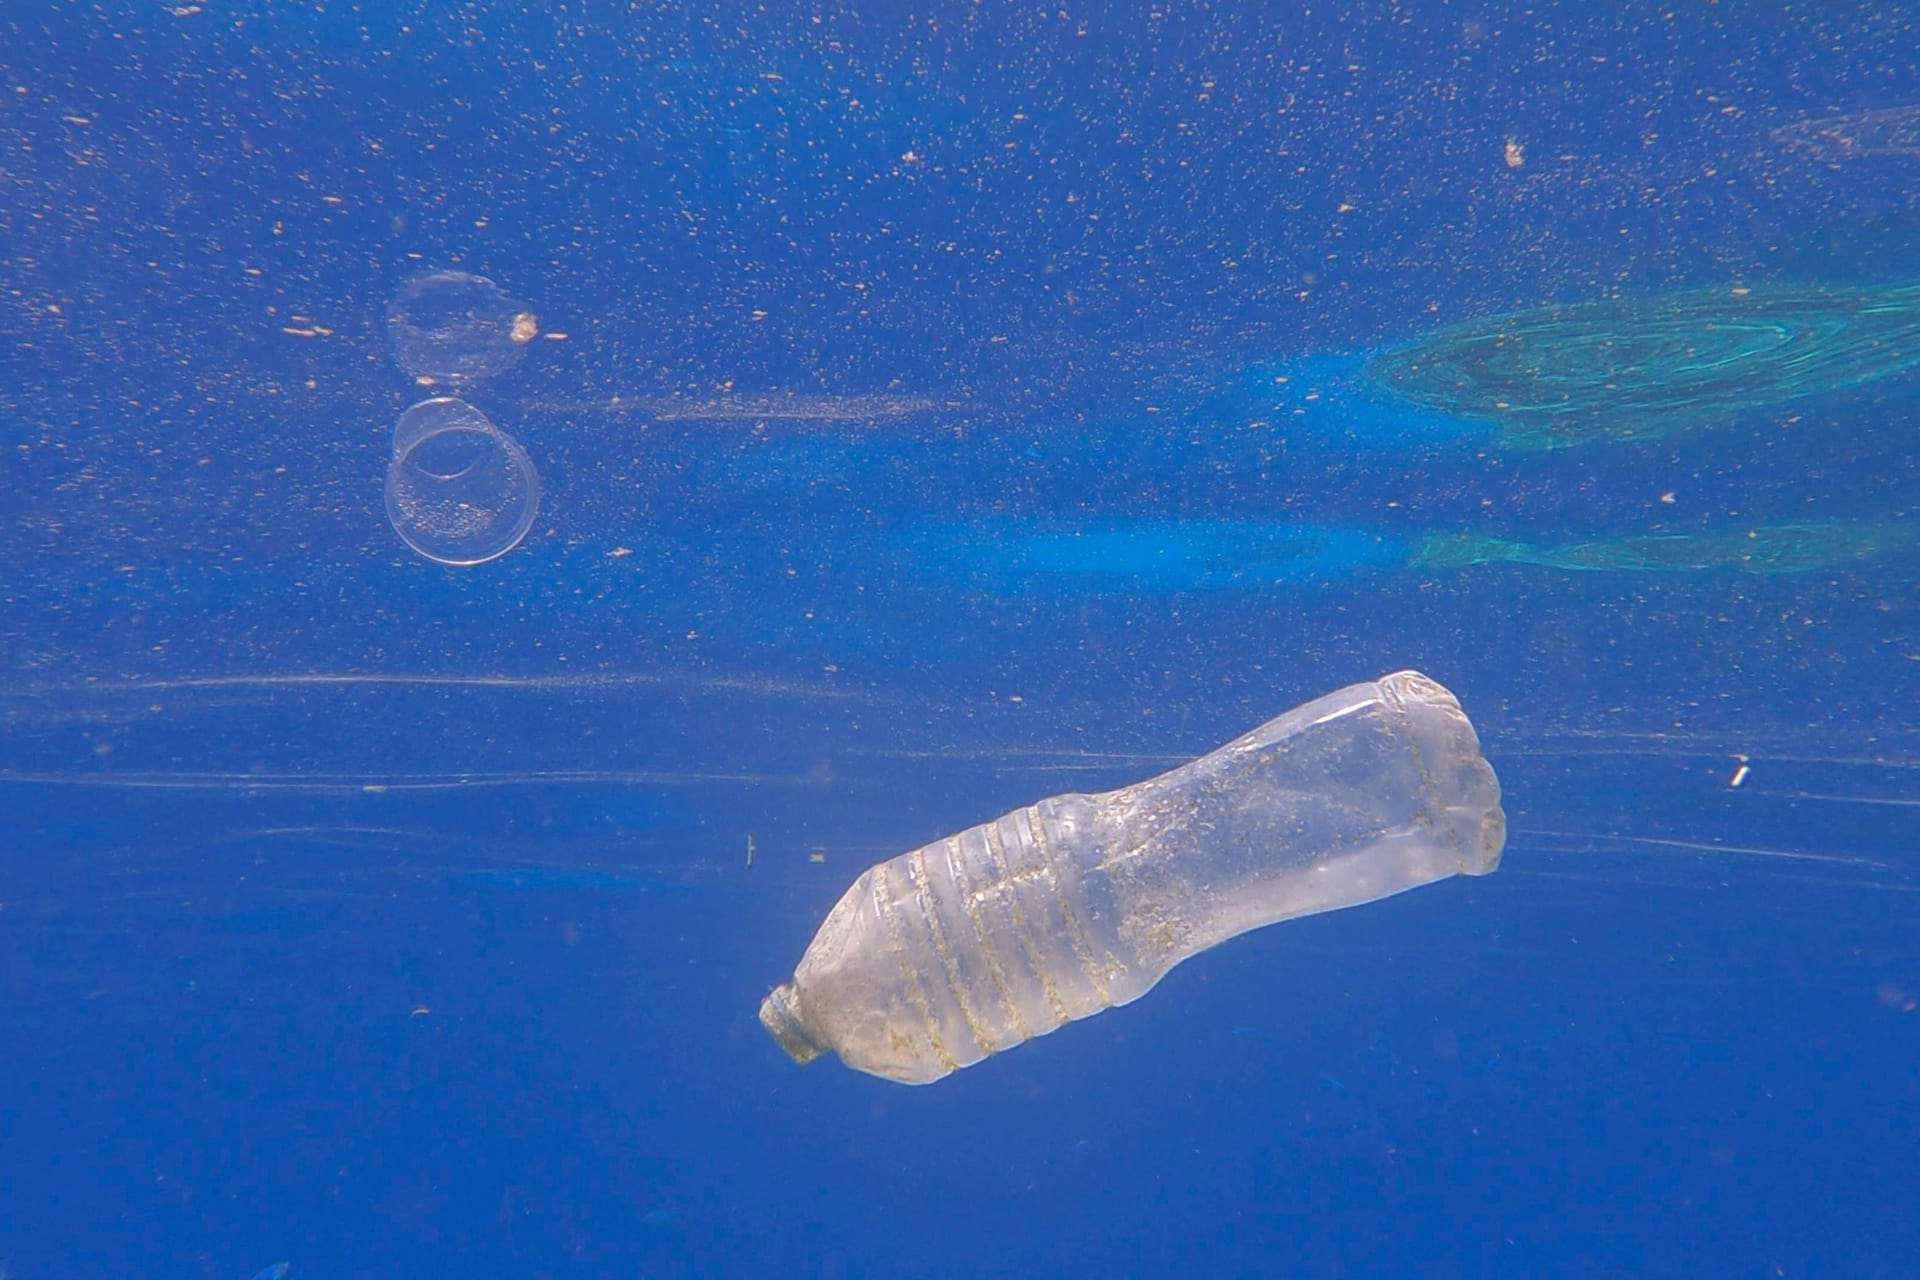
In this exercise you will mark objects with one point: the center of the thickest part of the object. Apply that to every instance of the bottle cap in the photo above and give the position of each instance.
(783, 1024)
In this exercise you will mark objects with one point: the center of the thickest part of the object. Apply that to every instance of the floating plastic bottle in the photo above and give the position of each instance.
(972, 944)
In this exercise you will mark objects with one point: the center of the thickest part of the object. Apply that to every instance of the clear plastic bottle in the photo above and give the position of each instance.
(975, 943)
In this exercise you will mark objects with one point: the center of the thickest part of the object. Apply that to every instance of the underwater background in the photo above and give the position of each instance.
(508, 510)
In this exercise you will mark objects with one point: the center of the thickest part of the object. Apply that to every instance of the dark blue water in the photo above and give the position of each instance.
(933, 410)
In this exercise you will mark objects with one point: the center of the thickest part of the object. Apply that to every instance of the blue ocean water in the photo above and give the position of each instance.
(922, 411)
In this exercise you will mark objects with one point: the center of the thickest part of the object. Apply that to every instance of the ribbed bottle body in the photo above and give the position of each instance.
(972, 944)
